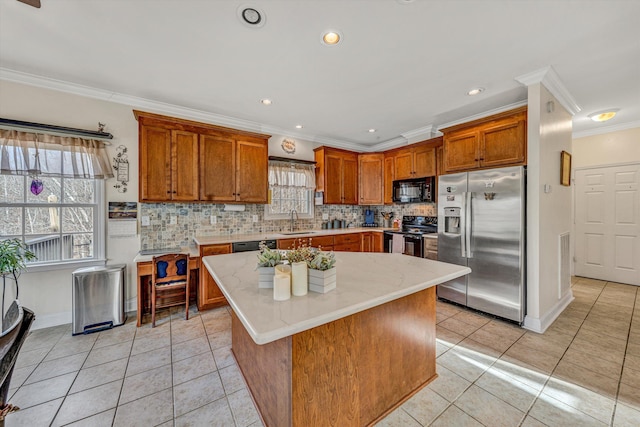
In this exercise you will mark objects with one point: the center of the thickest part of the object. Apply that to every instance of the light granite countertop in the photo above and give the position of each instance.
(193, 252)
(364, 280)
(211, 240)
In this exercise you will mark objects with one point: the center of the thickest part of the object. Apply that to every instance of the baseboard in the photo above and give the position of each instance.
(47, 320)
(541, 324)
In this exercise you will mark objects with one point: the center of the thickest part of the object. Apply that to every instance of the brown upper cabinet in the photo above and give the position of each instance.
(415, 161)
(168, 164)
(389, 166)
(371, 169)
(182, 160)
(337, 175)
(235, 170)
(498, 140)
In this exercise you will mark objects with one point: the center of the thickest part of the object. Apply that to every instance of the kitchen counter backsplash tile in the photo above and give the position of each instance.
(194, 219)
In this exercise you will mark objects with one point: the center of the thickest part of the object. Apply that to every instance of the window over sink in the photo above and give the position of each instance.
(291, 187)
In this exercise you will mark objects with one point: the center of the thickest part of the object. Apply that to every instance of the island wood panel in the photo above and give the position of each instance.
(349, 372)
(267, 372)
(325, 385)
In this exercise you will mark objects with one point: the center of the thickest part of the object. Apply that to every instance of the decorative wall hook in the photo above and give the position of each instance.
(121, 167)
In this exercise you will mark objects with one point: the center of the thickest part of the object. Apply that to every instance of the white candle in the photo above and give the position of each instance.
(299, 278)
(281, 287)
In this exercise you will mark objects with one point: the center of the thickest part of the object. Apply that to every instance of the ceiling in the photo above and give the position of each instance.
(403, 67)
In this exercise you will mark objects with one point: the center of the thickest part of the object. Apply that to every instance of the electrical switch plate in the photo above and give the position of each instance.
(173, 220)
(145, 221)
(325, 216)
(547, 188)
(213, 219)
(255, 218)
(355, 215)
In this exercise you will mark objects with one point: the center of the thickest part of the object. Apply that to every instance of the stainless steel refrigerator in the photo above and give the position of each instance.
(481, 224)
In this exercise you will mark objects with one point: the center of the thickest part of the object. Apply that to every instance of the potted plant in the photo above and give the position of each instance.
(322, 272)
(267, 260)
(298, 257)
(13, 260)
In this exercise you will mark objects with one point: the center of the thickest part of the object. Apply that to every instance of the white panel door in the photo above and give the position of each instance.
(607, 218)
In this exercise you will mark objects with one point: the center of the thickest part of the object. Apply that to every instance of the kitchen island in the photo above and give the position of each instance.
(347, 357)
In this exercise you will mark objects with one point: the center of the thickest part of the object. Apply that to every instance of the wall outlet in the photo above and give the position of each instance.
(255, 218)
(173, 220)
(325, 216)
(213, 219)
(355, 215)
(145, 221)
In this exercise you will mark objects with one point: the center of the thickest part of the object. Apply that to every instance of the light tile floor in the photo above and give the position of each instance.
(583, 371)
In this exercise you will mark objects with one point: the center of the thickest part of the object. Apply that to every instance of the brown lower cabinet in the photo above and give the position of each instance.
(209, 294)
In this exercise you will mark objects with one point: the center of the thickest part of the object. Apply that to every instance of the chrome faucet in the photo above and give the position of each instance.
(292, 227)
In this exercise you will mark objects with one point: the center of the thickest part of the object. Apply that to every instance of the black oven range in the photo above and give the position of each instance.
(413, 228)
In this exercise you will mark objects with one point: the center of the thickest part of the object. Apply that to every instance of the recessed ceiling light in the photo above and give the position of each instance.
(331, 37)
(299, 126)
(251, 16)
(475, 91)
(603, 116)
(266, 101)
(372, 130)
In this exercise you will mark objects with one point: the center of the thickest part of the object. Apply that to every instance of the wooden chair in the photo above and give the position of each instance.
(170, 278)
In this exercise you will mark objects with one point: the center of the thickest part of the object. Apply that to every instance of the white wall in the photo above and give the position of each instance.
(48, 294)
(548, 213)
(607, 149)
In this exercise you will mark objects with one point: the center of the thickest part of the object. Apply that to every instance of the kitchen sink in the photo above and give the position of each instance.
(293, 233)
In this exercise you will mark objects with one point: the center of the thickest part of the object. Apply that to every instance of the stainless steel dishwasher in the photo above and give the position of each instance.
(98, 298)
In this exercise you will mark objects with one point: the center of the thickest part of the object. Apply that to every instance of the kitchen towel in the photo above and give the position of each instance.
(397, 244)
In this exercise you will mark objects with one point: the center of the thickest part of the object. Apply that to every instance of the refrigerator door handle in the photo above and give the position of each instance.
(467, 223)
(463, 226)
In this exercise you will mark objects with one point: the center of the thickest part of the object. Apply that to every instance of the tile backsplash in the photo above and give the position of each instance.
(193, 219)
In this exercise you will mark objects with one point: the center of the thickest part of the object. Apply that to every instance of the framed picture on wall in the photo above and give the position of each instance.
(565, 168)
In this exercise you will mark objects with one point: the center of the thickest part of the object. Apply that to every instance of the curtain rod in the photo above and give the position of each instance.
(288, 160)
(52, 128)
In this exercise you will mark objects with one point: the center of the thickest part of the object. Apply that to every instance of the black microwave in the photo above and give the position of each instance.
(418, 190)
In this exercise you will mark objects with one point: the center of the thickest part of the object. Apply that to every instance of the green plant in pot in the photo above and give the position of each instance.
(14, 256)
(268, 257)
(322, 261)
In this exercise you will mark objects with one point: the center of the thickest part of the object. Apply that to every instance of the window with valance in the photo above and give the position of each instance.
(52, 195)
(291, 187)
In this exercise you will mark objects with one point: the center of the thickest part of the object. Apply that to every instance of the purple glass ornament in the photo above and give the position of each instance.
(37, 186)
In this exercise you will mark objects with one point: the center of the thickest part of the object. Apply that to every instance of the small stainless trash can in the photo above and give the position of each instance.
(98, 298)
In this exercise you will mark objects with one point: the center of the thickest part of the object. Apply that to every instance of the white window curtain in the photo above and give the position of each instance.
(28, 153)
(285, 174)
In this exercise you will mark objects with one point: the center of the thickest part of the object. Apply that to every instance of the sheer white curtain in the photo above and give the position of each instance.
(29, 153)
(285, 174)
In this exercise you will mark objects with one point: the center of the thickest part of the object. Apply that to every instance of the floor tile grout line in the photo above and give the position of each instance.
(540, 392)
(72, 383)
(624, 358)
(560, 359)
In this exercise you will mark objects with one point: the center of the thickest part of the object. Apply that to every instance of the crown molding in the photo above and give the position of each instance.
(606, 129)
(420, 134)
(481, 115)
(166, 108)
(550, 79)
